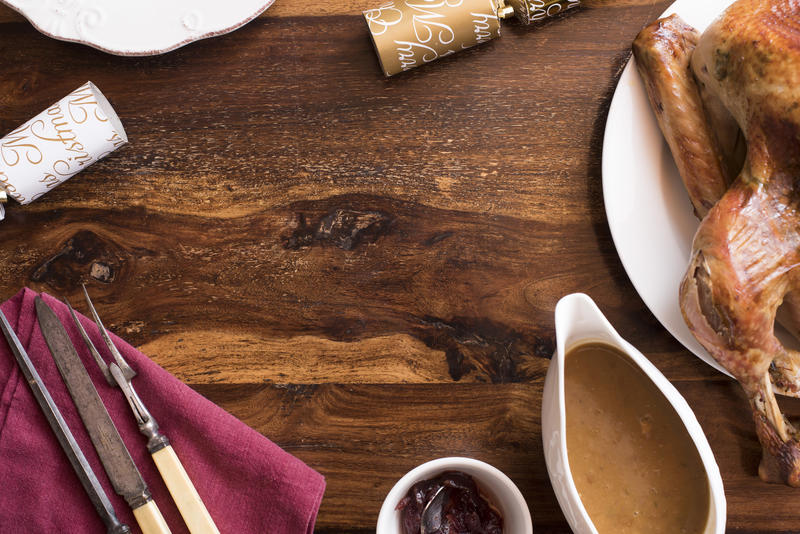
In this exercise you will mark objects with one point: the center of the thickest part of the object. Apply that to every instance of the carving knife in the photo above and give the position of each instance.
(65, 438)
(110, 448)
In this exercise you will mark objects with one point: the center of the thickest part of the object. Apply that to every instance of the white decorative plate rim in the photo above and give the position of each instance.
(143, 51)
(627, 129)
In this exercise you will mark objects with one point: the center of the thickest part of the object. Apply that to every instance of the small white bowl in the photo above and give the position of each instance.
(578, 321)
(497, 487)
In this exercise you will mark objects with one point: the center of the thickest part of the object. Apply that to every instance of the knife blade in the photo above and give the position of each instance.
(91, 485)
(114, 455)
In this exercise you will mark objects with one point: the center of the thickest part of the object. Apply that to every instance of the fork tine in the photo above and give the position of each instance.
(100, 362)
(127, 371)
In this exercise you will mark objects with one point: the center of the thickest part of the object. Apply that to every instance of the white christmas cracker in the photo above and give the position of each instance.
(58, 143)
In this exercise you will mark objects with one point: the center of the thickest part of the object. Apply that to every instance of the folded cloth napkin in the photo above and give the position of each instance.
(248, 484)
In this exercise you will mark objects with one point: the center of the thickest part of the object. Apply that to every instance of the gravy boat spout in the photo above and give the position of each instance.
(579, 321)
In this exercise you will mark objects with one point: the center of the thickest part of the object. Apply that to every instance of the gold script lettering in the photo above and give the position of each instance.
(10, 189)
(116, 140)
(79, 100)
(64, 135)
(16, 142)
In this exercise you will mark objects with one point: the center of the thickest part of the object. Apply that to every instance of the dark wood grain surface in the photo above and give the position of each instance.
(364, 270)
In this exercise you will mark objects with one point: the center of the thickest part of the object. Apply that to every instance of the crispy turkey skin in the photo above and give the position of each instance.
(744, 71)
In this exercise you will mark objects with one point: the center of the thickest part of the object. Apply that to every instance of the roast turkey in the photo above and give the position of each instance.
(728, 103)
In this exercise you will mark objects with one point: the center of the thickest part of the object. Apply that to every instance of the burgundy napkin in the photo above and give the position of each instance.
(248, 484)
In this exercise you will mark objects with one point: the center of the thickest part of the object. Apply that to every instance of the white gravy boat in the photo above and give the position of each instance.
(578, 321)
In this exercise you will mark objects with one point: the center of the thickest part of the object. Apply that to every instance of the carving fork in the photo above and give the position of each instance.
(119, 374)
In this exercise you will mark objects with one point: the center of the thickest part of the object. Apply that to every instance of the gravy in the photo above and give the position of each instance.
(633, 462)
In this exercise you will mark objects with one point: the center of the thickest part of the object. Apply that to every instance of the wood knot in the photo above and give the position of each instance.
(85, 255)
(102, 272)
(492, 350)
(342, 227)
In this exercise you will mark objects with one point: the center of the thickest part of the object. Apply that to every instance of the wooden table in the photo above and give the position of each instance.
(364, 270)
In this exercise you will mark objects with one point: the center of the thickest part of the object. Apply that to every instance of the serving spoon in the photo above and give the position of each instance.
(431, 520)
